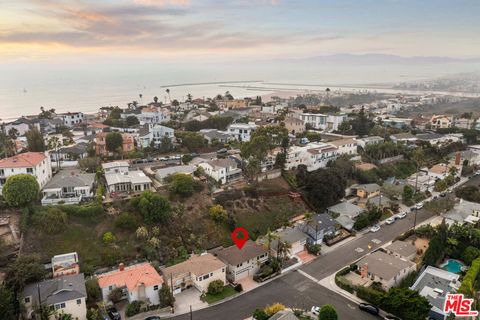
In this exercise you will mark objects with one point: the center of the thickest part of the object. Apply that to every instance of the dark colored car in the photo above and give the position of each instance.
(114, 314)
(369, 308)
(152, 318)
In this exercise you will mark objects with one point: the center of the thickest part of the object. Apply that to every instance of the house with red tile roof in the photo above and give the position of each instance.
(139, 282)
(37, 164)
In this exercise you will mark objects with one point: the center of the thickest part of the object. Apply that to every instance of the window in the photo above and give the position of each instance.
(155, 287)
(206, 276)
(27, 300)
(79, 301)
(29, 170)
(110, 288)
(59, 306)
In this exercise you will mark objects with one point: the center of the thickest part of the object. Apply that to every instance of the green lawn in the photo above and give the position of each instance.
(212, 298)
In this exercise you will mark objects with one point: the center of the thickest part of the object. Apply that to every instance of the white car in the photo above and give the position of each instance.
(419, 206)
(390, 220)
(315, 310)
(375, 228)
(401, 215)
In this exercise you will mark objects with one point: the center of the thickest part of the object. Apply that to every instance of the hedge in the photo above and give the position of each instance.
(468, 284)
(87, 210)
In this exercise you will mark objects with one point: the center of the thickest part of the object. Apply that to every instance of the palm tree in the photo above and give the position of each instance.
(141, 97)
(283, 250)
(189, 97)
(54, 143)
(13, 133)
(270, 236)
(168, 92)
(419, 157)
(155, 99)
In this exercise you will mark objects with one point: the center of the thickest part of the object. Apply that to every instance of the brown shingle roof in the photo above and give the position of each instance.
(233, 256)
(198, 265)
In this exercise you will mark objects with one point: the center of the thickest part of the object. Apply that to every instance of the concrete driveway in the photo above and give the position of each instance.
(187, 298)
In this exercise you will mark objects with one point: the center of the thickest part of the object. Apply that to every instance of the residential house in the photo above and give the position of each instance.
(368, 190)
(345, 213)
(434, 284)
(319, 226)
(440, 171)
(367, 141)
(313, 155)
(70, 153)
(464, 212)
(441, 122)
(70, 118)
(65, 264)
(232, 104)
(120, 178)
(398, 123)
(245, 262)
(345, 146)
(128, 143)
(69, 186)
(198, 271)
(64, 294)
(22, 125)
(463, 123)
(241, 131)
(322, 121)
(471, 156)
(286, 314)
(35, 163)
(294, 125)
(402, 249)
(405, 137)
(422, 181)
(379, 200)
(153, 115)
(222, 170)
(386, 269)
(153, 134)
(214, 135)
(139, 282)
(197, 115)
(292, 236)
(161, 174)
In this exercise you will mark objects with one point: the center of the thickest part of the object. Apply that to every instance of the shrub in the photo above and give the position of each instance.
(238, 287)
(133, 308)
(20, 190)
(468, 284)
(115, 295)
(51, 220)
(126, 221)
(94, 293)
(274, 308)
(215, 287)
(108, 238)
(182, 184)
(328, 312)
(371, 295)
(166, 296)
(470, 254)
(218, 213)
(260, 314)
(87, 210)
(314, 249)
(154, 208)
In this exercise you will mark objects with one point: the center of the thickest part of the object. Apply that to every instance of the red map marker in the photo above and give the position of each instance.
(240, 241)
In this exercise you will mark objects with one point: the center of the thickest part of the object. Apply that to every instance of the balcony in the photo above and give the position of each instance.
(53, 200)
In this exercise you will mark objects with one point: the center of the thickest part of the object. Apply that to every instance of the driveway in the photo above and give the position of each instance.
(248, 283)
(187, 298)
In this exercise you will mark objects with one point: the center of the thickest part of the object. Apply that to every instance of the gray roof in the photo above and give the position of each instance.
(57, 290)
(435, 278)
(369, 187)
(346, 222)
(462, 210)
(164, 172)
(323, 221)
(144, 130)
(429, 136)
(384, 265)
(346, 209)
(223, 163)
(289, 235)
(403, 248)
(79, 148)
(70, 178)
(134, 176)
(284, 315)
(214, 134)
(233, 256)
(379, 200)
(405, 135)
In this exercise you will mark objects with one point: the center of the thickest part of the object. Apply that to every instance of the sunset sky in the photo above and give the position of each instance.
(53, 31)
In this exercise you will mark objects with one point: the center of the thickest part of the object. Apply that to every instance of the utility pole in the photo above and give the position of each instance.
(191, 314)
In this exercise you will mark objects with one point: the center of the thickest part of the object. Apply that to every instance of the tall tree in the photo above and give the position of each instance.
(35, 140)
(327, 312)
(20, 190)
(54, 144)
(114, 141)
(7, 304)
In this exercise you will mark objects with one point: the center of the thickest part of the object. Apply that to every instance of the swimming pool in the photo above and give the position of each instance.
(452, 265)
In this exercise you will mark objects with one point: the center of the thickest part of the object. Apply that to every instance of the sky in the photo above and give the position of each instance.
(73, 31)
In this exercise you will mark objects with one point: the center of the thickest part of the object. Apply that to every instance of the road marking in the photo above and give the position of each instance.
(359, 250)
(306, 275)
(376, 241)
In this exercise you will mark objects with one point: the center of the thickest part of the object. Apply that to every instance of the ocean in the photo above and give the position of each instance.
(86, 87)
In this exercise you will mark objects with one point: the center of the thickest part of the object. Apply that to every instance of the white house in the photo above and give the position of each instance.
(153, 133)
(22, 125)
(367, 141)
(120, 179)
(71, 118)
(222, 170)
(198, 271)
(441, 121)
(37, 164)
(346, 146)
(313, 155)
(241, 131)
(64, 294)
(139, 282)
(153, 115)
(322, 121)
(69, 186)
(243, 263)
(294, 237)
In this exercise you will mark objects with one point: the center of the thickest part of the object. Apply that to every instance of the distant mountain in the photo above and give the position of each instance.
(375, 58)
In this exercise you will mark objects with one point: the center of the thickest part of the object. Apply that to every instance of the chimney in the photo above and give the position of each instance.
(364, 270)
(121, 266)
(457, 159)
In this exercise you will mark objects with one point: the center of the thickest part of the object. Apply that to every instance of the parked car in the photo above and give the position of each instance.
(114, 314)
(390, 220)
(152, 318)
(369, 308)
(443, 194)
(419, 206)
(315, 310)
(375, 228)
(401, 215)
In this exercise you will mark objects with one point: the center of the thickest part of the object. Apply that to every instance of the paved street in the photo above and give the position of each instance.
(297, 290)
